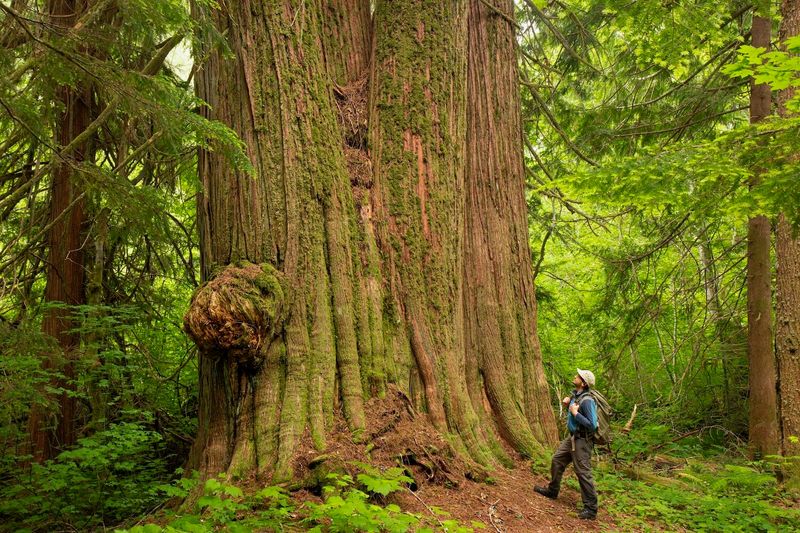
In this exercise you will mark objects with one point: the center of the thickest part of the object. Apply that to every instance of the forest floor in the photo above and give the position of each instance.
(445, 486)
(401, 474)
(509, 504)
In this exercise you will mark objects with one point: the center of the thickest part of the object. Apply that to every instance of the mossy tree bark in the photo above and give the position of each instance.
(502, 348)
(341, 263)
(787, 333)
(51, 432)
(287, 227)
(347, 38)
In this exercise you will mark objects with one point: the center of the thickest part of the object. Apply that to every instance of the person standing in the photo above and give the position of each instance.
(577, 448)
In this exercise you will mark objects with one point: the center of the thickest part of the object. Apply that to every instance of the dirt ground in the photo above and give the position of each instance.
(396, 435)
(508, 505)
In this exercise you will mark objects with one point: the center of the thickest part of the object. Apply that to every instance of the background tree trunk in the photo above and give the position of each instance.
(51, 432)
(764, 437)
(711, 284)
(787, 249)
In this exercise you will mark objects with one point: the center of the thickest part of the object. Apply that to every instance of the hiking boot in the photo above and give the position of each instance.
(587, 514)
(546, 492)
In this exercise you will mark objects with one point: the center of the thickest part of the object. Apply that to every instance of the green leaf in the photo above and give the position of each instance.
(212, 486)
(793, 44)
(232, 491)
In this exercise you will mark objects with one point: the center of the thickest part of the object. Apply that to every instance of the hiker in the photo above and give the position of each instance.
(577, 448)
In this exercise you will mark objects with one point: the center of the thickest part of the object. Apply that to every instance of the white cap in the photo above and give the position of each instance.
(587, 376)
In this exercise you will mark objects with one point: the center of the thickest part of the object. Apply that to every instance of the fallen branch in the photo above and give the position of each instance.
(414, 494)
(649, 451)
(639, 474)
(629, 424)
(492, 509)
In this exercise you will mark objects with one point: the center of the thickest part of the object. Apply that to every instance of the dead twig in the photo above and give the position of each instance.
(414, 494)
(629, 424)
(492, 510)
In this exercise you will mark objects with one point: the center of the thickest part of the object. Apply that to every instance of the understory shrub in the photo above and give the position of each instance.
(108, 477)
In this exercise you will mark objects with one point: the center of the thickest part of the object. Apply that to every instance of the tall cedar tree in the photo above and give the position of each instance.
(352, 258)
(787, 334)
(763, 398)
(78, 138)
(51, 432)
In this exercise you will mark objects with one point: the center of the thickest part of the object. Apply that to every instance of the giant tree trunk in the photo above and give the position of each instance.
(763, 402)
(341, 263)
(787, 249)
(277, 326)
(52, 431)
(503, 355)
(418, 132)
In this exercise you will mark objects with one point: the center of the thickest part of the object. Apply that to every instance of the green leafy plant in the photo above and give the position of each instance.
(702, 496)
(345, 507)
(222, 506)
(382, 482)
(779, 69)
(106, 478)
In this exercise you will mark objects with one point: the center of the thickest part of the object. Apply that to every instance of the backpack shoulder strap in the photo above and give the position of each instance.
(587, 396)
(590, 396)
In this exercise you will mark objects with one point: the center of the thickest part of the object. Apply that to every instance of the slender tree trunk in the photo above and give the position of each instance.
(709, 277)
(51, 432)
(764, 437)
(98, 395)
(787, 250)
(788, 336)
(637, 367)
(662, 350)
(711, 284)
(338, 264)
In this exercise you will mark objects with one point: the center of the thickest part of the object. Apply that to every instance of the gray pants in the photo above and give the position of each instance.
(581, 459)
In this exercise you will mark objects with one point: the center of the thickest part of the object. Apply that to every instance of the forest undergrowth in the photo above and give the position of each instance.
(405, 478)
